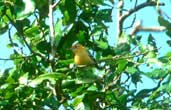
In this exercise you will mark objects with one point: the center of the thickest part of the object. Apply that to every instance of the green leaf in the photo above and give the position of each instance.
(166, 87)
(68, 8)
(3, 27)
(163, 22)
(143, 93)
(58, 31)
(135, 78)
(101, 44)
(157, 73)
(44, 47)
(131, 70)
(96, 2)
(77, 101)
(32, 31)
(169, 43)
(24, 8)
(92, 88)
(47, 76)
(105, 15)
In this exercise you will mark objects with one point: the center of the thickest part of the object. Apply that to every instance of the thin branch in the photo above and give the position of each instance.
(56, 3)
(20, 33)
(8, 59)
(138, 27)
(131, 11)
(119, 14)
(120, 57)
(52, 31)
(133, 21)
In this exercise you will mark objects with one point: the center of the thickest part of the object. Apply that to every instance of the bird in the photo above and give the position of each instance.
(82, 57)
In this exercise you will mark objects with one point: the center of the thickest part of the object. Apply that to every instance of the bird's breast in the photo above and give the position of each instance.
(83, 60)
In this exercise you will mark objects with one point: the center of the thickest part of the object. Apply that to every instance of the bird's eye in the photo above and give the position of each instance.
(76, 46)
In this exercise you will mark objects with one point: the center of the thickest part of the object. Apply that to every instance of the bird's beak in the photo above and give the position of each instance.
(70, 49)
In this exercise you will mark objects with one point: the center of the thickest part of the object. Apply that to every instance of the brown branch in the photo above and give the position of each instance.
(135, 9)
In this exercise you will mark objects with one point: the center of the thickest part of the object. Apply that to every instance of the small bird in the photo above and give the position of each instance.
(82, 57)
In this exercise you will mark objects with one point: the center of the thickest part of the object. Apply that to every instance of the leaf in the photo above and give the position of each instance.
(169, 42)
(101, 44)
(166, 87)
(104, 15)
(135, 78)
(92, 88)
(58, 31)
(32, 31)
(131, 70)
(77, 101)
(143, 93)
(68, 8)
(157, 73)
(47, 76)
(96, 2)
(163, 22)
(24, 8)
(44, 47)
(3, 27)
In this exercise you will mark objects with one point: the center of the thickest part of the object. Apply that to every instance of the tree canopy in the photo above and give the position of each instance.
(43, 75)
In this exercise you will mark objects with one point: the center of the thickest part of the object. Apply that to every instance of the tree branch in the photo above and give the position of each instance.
(138, 27)
(52, 31)
(7, 59)
(135, 9)
(20, 33)
(56, 3)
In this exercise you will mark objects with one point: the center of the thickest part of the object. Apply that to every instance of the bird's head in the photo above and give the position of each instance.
(77, 48)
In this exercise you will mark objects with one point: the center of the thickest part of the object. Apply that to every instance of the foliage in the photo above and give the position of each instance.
(39, 81)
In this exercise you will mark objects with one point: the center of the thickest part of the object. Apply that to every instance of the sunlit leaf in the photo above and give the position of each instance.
(47, 76)
(157, 73)
(24, 8)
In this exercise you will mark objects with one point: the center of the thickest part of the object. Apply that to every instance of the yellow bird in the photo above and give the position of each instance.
(82, 57)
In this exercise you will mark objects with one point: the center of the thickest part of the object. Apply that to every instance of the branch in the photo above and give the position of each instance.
(7, 59)
(119, 14)
(52, 31)
(135, 9)
(138, 27)
(20, 33)
(56, 3)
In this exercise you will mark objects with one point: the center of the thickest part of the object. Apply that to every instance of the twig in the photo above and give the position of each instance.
(7, 59)
(119, 14)
(56, 3)
(131, 11)
(52, 31)
(138, 27)
(133, 21)
(20, 33)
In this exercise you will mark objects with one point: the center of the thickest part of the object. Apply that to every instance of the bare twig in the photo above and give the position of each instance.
(52, 31)
(138, 27)
(119, 14)
(133, 21)
(56, 3)
(131, 11)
